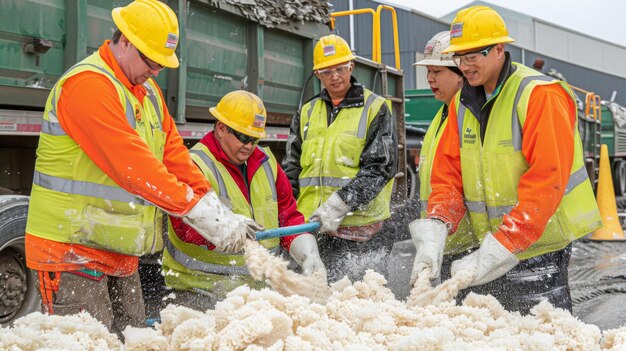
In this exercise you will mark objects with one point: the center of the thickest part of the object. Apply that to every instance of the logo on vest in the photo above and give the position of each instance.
(505, 143)
(137, 113)
(469, 137)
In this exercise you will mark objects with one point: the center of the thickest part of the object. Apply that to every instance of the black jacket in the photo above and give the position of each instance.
(475, 100)
(378, 160)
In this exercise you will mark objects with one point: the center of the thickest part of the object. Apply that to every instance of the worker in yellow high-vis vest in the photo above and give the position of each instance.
(110, 164)
(248, 176)
(341, 159)
(513, 162)
(444, 79)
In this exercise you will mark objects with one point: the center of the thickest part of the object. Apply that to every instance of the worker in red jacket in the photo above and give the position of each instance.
(248, 176)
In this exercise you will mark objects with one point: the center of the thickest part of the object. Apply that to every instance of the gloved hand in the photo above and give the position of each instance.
(330, 214)
(491, 261)
(219, 225)
(429, 237)
(304, 250)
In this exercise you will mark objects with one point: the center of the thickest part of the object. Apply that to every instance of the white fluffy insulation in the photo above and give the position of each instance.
(355, 316)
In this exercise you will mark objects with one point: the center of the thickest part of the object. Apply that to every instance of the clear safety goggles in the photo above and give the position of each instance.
(340, 71)
(472, 57)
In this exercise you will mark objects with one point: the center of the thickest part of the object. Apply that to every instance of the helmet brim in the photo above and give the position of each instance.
(434, 62)
(336, 61)
(477, 44)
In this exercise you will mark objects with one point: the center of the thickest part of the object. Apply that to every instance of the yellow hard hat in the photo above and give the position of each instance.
(475, 27)
(331, 50)
(243, 112)
(152, 27)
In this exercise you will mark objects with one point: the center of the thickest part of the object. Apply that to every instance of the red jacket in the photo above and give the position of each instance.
(288, 213)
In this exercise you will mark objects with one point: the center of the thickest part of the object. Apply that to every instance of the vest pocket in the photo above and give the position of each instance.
(312, 149)
(346, 151)
(126, 234)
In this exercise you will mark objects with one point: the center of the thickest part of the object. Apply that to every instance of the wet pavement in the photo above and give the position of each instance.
(598, 282)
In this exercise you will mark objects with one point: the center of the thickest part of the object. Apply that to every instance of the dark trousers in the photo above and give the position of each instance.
(539, 278)
(114, 301)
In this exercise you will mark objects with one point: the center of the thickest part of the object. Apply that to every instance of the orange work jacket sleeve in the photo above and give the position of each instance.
(547, 145)
(98, 124)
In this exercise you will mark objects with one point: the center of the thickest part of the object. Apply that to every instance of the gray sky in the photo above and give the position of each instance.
(604, 19)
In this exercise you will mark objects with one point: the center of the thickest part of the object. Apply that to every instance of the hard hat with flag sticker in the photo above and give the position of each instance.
(433, 55)
(331, 50)
(476, 27)
(242, 111)
(152, 27)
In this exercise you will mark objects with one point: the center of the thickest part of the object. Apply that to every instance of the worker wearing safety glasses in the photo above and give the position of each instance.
(255, 186)
(341, 159)
(512, 161)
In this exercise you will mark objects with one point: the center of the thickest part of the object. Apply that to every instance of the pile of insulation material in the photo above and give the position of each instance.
(271, 13)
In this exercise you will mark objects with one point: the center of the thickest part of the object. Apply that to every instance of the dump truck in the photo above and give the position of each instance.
(265, 47)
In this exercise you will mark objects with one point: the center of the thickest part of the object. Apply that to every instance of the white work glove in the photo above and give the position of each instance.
(429, 237)
(219, 225)
(330, 214)
(304, 250)
(491, 261)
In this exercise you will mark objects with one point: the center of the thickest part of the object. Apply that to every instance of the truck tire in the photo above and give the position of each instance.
(619, 177)
(18, 294)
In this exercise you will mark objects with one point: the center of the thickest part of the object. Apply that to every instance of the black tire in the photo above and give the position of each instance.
(619, 177)
(18, 294)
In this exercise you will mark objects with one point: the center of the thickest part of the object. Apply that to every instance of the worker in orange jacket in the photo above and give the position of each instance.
(110, 166)
(513, 161)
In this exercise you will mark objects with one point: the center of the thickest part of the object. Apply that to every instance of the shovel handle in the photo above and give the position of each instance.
(284, 231)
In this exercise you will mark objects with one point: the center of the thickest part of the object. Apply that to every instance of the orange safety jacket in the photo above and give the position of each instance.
(548, 146)
(91, 113)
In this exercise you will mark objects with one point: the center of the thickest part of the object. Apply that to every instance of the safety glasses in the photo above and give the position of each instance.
(245, 139)
(151, 64)
(471, 57)
(340, 71)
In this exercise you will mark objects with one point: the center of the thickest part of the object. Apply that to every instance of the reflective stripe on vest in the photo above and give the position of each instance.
(205, 267)
(53, 127)
(86, 206)
(330, 156)
(87, 189)
(192, 259)
(463, 238)
(481, 158)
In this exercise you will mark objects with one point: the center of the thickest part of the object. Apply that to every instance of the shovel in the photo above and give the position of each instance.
(277, 232)
(284, 231)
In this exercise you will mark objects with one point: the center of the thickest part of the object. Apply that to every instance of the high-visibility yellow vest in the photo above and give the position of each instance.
(74, 201)
(463, 238)
(331, 155)
(187, 266)
(492, 169)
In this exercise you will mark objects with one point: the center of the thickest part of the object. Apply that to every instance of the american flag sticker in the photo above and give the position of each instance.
(172, 41)
(456, 30)
(259, 121)
(329, 50)
(429, 47)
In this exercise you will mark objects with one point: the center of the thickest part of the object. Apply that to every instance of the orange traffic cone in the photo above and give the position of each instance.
(612, 230)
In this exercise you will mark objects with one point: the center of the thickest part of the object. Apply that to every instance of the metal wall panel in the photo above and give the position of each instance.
(600, 83)
(284, 71)
(415, 29)
(216, 58)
